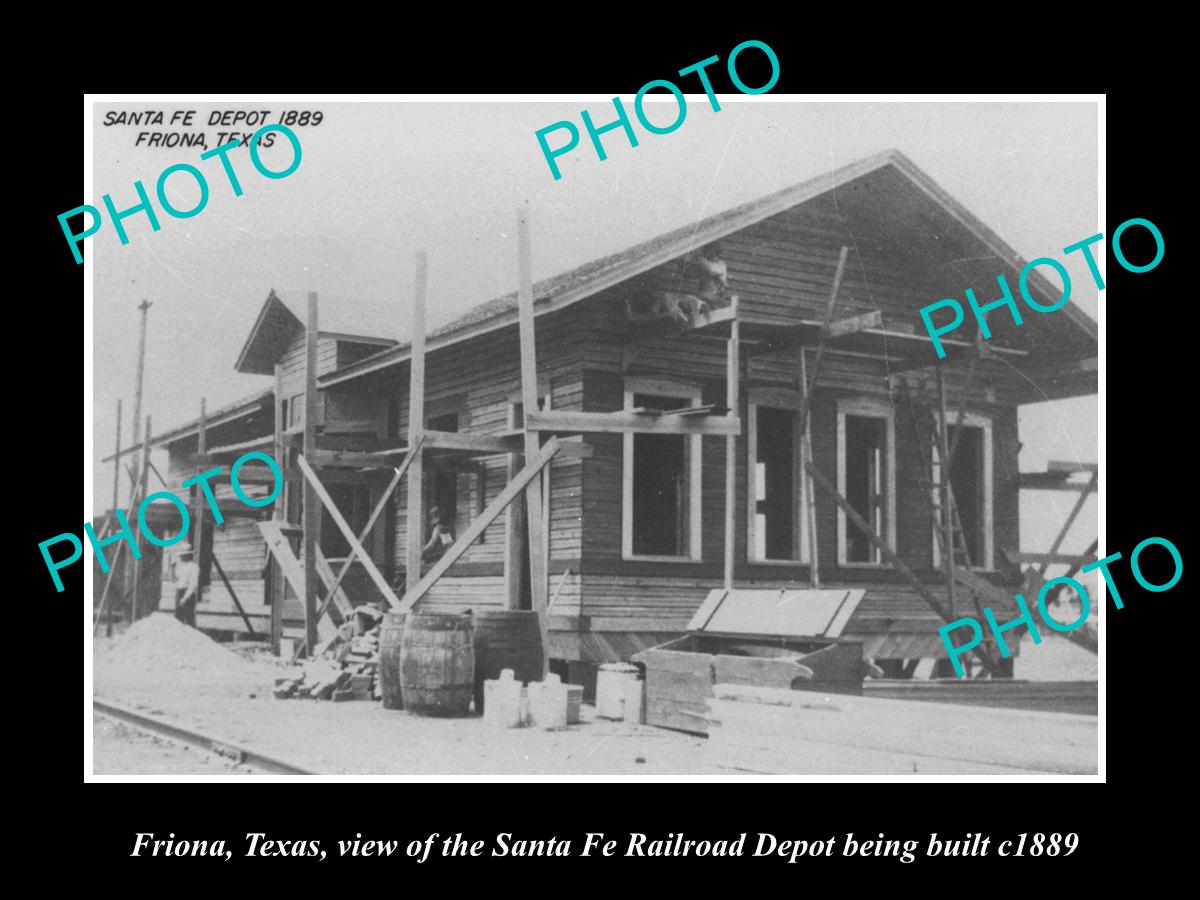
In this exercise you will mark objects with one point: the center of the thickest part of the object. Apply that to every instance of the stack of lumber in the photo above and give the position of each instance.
(774, 731)
(347, 668)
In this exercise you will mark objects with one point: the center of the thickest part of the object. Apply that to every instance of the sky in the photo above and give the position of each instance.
(378, 182)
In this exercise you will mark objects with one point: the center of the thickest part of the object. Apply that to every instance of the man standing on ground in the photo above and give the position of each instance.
(187, 588)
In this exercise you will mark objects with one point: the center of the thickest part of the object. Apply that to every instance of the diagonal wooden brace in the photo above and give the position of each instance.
(377, 512)
(510, 493)
(886, 552)
(346, 530)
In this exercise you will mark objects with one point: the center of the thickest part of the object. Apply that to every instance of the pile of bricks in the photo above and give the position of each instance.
(347, 669)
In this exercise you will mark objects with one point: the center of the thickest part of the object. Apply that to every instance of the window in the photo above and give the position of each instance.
(661, 480)
(866, 478)
(777, 508)
(971, 482)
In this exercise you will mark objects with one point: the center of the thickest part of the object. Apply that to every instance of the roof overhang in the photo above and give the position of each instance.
(561, 291)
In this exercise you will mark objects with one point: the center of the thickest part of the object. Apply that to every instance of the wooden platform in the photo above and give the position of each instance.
(773, 731)
(1078, 697)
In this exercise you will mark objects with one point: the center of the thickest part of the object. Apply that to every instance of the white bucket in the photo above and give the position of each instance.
(619, 692)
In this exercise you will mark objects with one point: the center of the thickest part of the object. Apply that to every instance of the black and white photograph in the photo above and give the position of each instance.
(523, 437)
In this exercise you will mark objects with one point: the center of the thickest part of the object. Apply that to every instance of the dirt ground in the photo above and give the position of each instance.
(364, 738)
(183, 676)
(121, 750)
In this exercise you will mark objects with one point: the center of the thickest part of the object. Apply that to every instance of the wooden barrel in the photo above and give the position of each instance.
(506, 639)
(390, 634)
(437, 664)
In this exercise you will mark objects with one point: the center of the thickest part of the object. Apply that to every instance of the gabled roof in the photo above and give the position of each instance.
(562, 290)
(278, 323)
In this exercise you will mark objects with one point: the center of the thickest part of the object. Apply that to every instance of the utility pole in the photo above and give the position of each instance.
(137, 402)
(116, 499)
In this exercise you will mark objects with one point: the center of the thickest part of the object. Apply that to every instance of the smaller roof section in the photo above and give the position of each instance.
(279, 321)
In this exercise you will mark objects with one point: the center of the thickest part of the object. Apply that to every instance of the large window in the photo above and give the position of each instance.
(866, 478)
(776, 512)
(661, 479)
(971, 482)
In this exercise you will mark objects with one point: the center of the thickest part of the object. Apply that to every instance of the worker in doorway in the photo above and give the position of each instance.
(187, 587)
(441, 537)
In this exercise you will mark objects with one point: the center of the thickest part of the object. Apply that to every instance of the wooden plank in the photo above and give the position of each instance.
(471, 443)
(278, 514)
(115, 500)
(806, 456)
(947, 498)
(294, 572)
(359, 458)
(511, 491)
(335, 596)
(514, 541)
(312, 510)
(1050, 481)
(1066, 526)
(232, 593)
(576, 422)
(1069, 467)
(733, 366)
(134, 500)
(535, 523)
(642, 624)
(838, 274)
(773, 718)
(873, 319)
(137, 560)
(1049, 558)
(380, 505)
(416, 426)
(281, 549)
(347, 532)
(886, 552)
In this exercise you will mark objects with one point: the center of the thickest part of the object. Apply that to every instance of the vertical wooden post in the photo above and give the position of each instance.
(514, 538)
(115, 500)
(733, 365)
(312, 505)
(944, 485)
(539, 586)
(814, 567)
(416, 428)
(198, 506)
(117, 463)
(140, 492)
(278, 513)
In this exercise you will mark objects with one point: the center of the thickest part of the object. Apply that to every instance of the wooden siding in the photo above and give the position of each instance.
(478, 380)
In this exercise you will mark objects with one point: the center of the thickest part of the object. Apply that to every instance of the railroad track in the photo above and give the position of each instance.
(236, 753)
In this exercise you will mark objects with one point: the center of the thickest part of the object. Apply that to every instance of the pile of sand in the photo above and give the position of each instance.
(161, 650)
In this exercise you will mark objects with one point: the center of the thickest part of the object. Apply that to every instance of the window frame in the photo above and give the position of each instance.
(875, 409)
(775, 398)
(984, 422)
(694, 392)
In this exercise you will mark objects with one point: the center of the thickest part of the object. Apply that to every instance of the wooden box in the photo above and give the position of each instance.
(789, 642)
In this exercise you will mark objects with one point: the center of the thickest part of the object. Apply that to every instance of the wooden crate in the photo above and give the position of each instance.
(680, 674)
